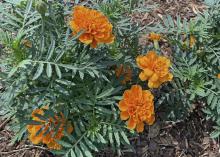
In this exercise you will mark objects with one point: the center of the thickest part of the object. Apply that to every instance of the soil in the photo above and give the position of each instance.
(187, 138)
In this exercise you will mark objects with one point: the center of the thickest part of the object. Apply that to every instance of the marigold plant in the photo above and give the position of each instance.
(45, 131)
(137, 107)
(95, 26)
(154, 68)
(46, 58)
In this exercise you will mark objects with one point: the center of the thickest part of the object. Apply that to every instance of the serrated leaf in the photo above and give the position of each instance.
(32, 122)
(81, 74)
(209, 99)
(51, 49)
(49, 70)
(72, 153)
(200, 92)
(69, 136)
(100, 137)
(105, 93)
(85, 150)
(58, 71)
(41, 117)
(64, 144)
(117, 138)
(90, 144)
(214, 102)
(77, 130)
(125, 137)
(58, 152)
(110, 135)
(39, 71)
(78, 152)
(91, 73)
(22, 64)
(215, 134)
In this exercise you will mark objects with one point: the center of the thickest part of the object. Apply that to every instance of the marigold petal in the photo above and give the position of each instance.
(131, 124)
(47, 138)
(150, 120)
(218, 76)
(170, 77)
(124, 115)
(122, 105)
(142, 61)
(35, 139)
(147, 96)
(127, 95)
(37, 111)
(29, 128)
(152, 56)
(140, 127)
(54, 145)
(86, 38)
(153, 84)
(142, 76)
(154, 78)
(148, 72)
(110, 39)
(136, 91)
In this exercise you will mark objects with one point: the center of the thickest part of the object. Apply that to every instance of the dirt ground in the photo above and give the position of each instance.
(188, 138)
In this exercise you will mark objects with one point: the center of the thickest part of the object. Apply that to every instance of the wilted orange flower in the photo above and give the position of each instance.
(137, 107)
(192, 41)
(27, 43)
(218, 76)
(95, 26)
(125, 72)
(155, 69)
(154, 37)
(45, 131)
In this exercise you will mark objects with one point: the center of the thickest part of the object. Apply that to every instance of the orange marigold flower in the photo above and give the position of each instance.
(95, 26)
(155, 69)
(125, 72)
(192, 41)
(218, 76)
(154, 37)
(45, 131)
(137, 107)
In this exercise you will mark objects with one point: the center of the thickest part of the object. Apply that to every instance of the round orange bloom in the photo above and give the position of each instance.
(155, 69)
(95, 26)
(45, 131)
(154, 37)
(125, 72)
(218, 76)
(137, 107)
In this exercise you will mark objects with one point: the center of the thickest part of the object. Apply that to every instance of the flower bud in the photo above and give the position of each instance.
(41, 7)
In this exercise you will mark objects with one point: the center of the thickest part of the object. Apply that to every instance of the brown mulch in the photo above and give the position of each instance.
(185, 9)
(188, 138)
